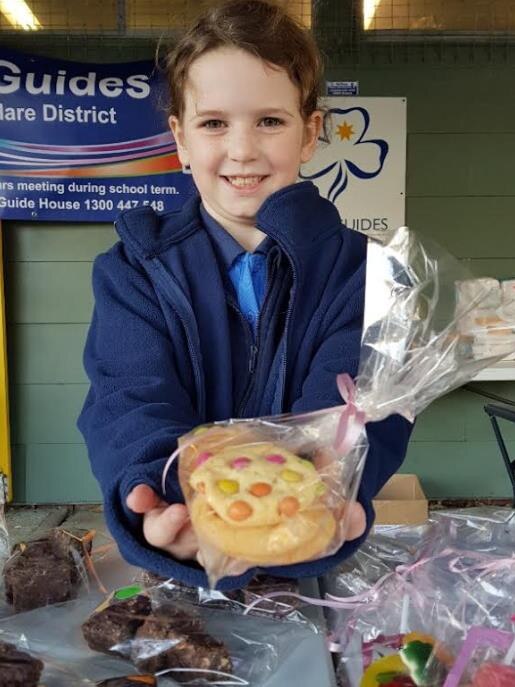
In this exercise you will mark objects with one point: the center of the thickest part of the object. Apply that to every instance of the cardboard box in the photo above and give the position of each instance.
(401, 502)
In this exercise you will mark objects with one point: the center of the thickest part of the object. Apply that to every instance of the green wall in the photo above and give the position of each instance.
(460, 190)
(49, 304)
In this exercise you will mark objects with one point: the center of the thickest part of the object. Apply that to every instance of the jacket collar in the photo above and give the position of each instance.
(295, 216)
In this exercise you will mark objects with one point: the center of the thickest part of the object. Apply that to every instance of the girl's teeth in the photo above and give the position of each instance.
(244, 181)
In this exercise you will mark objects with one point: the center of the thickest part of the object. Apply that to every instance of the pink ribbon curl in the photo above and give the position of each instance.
(352, 420)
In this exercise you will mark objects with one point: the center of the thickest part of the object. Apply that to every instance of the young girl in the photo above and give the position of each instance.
(246, 302)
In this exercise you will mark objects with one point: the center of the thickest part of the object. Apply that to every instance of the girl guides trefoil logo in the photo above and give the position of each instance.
(350, 152)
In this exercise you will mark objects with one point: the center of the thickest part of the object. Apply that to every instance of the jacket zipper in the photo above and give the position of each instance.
(253, 357)
(277, 411)
(253, 349)
(254, 346)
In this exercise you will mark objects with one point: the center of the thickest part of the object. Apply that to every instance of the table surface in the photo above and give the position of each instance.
(308, 664)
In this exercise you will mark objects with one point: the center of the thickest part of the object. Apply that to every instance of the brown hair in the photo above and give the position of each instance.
(258, 27)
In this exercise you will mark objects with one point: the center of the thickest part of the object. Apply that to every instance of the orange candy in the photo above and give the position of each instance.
(289, 506)
(260, 489)
(239, 510)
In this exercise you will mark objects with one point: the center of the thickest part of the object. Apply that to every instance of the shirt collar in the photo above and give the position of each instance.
(226, 247)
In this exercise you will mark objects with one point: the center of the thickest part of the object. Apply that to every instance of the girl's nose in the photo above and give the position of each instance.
(242, 146)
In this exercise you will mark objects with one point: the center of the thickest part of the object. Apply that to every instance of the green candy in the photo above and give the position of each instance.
(415, 656)
(127, 592)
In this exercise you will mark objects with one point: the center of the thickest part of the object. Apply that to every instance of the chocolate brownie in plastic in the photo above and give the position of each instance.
(130, 681)
(44, 571)
(18, 668)
(116, 624)
(164, 642)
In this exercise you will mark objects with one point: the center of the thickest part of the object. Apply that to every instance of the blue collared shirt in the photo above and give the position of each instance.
(247, 271)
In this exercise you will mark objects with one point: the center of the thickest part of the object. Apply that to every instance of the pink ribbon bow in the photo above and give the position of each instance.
(352, 420)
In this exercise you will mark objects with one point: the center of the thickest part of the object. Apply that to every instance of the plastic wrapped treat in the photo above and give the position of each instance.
(258, 602)
(115, 622)
(159, 638)
(274, 491)
(388, 636)
(47, 570)
(487, 659)
(18, 668)
(133, 628)
(490, 325)
(256, 497)
(252, 600)
(174, 590)
(129, 681)
(165, 642)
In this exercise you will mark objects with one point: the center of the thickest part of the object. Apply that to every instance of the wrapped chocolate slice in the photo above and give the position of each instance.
(46, 571)
(276, 606)
(112, 625)
(176, 591)
(129, 681)
(171, 638)
(165, 642)
(18, 668)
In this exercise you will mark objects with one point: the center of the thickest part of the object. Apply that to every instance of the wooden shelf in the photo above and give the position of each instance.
(501, 372)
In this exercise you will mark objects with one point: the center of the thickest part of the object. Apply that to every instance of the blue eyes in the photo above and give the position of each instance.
(272, 121)
(267, 122)
(212, 124)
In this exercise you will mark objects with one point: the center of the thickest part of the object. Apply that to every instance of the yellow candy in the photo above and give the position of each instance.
(378, 671)
(228, 486)
(291, 476)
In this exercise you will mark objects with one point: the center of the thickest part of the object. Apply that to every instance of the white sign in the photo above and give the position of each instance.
(342, 88)
(360, 164)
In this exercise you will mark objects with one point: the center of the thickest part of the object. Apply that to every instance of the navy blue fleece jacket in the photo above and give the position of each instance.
(167, 350)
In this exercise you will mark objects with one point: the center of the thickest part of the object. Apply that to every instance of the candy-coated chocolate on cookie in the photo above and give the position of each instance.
(246, 488)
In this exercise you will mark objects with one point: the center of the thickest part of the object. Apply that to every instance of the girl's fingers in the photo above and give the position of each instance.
(185, 546)
(357, 521)
(323, 458)
(162, 525)
(142, 499)
(200, 559)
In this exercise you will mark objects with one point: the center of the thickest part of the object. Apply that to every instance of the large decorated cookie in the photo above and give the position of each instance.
(258, 501)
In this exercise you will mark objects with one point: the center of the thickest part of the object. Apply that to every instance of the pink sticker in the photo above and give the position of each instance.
(202, 457)
(240, 463)
(275, 458)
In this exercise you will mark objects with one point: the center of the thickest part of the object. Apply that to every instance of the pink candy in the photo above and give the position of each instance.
(202, 457)
(276, 458)
(240, 463)
(494, 675)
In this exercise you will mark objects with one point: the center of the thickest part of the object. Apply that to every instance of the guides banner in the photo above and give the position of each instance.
(82, 142)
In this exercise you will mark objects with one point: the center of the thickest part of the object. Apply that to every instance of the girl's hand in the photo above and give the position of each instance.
(357, 521)
(324, 460)
(165, 526)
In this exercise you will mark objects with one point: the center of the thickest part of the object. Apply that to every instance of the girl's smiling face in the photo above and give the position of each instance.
(242, 133)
